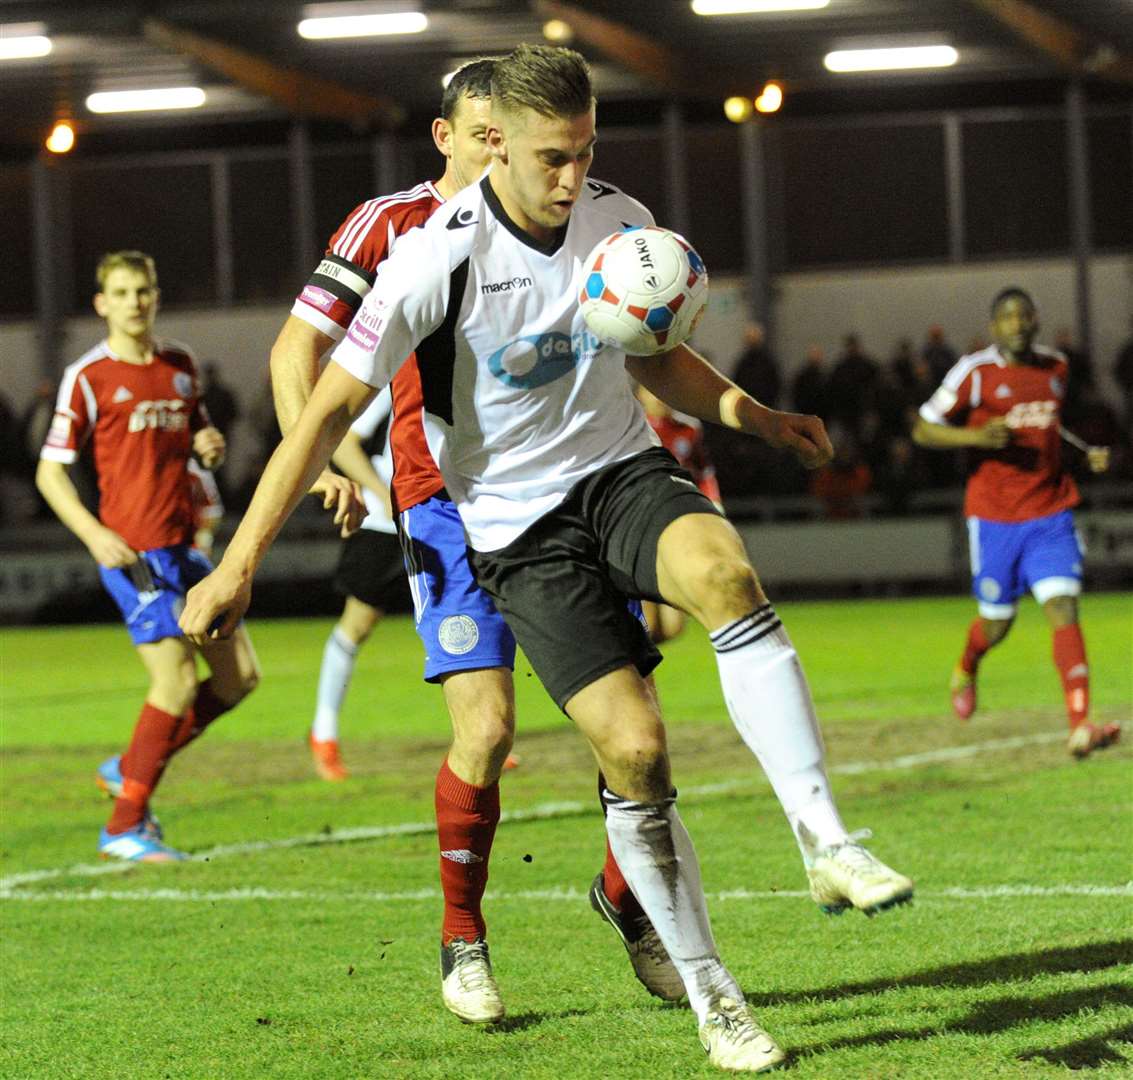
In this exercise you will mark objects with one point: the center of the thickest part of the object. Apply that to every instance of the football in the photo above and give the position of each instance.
(643, 290)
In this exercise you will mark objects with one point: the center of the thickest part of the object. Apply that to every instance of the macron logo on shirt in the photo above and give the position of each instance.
(511, 285)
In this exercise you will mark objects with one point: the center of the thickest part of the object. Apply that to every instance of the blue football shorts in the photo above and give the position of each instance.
(1042, 556)
(456, 620)
(151, 593)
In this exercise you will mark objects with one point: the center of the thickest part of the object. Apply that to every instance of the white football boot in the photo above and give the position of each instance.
(468, 986)
(733, 1039)
(847, 876)
(651, 963)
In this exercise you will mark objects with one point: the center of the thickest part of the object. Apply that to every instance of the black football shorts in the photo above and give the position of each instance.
(562, 585)
(371, 568)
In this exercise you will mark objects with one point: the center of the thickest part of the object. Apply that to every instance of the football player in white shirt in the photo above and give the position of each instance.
(570, 506)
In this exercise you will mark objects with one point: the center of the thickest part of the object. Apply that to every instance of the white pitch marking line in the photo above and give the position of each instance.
(542, 812)
(206, 896)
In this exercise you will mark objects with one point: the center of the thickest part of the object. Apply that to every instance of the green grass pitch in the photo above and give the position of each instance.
(305, 945)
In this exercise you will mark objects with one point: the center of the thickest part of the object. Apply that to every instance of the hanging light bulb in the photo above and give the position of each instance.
(62, 137)
(770, 99)
(738, 109)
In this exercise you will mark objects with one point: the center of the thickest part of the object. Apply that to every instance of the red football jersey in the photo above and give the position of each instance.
(684, 439)
(335, 292)
(1025, 479)
(142, 418)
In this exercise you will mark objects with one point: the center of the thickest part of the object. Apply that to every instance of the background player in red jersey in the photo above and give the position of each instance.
(1004, 403)
(683, 437)
(138, 400)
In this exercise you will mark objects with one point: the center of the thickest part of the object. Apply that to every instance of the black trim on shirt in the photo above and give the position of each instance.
(436, 355)
(523, 237)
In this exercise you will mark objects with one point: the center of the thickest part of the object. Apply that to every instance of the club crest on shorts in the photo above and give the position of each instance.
(989, 589)
(458, 634)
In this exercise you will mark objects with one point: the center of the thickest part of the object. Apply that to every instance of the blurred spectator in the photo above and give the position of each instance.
(808, 390)
(259, 433)
(895, 406)
(852, 389)
(939, 354)
(1081, 375)
(220, 401)
(1081, 366)
(902, 474)
(841, 484)
(757, 371)
(11, 447)
(1098, 424)
(903, 364)
(1123, 376)
(28, 441)
(34, 424)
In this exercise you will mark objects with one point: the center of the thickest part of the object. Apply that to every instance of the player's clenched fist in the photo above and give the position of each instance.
(209, 446)
(109, 549)
(805, 436)
(1098, 458)
(215, 606)
(994, 435)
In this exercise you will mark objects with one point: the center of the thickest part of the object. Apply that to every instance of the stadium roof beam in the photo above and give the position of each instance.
(1074, 50)
(300, 94)
(658, 65)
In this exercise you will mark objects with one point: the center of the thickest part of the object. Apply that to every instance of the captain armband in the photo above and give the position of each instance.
(337, 279)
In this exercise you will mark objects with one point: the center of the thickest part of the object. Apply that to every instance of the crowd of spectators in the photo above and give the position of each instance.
(869, 408)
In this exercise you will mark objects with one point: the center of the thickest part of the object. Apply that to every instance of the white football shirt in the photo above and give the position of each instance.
(521, 400)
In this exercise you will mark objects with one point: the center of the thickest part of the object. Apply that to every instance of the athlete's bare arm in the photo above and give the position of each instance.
(683, 379)
(107, 547)
(298, 460)
(353, 460)
(994, 435)
(295, 360)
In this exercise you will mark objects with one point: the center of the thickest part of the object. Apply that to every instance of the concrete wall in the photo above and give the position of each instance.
(814, 556)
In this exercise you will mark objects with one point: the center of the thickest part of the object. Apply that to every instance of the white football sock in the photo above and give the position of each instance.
(334, 680)
(656, 857)
(770, 704)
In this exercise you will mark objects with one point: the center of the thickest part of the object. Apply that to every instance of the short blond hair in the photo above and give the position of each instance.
(548, 79)
(130, 260)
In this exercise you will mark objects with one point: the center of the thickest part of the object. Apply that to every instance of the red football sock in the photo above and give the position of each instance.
(614, 885)
(205, 709)
(1070, 659)
(142, 765)
(467, 817)
(975, 647)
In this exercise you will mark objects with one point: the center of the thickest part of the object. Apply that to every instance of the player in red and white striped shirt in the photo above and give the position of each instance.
(1004, 403)
(138, 401)
(475, 671)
